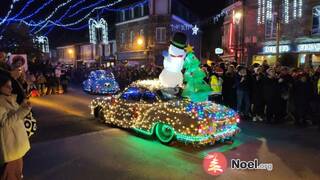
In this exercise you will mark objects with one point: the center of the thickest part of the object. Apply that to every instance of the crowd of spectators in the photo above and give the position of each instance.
(123, 74)
(42, 78)
(271, 94)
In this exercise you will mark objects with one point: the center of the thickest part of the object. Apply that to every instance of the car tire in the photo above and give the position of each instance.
(164, 133)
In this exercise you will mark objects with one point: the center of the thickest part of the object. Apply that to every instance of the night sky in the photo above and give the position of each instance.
(59, 36)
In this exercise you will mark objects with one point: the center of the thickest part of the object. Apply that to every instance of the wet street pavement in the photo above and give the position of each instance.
(70, 144)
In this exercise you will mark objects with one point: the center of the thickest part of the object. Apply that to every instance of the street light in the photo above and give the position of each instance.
(70, 51)
(140, 41)
(237, 17)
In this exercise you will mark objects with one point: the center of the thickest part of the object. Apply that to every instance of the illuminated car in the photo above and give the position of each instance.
(101, 82)
(150, 110)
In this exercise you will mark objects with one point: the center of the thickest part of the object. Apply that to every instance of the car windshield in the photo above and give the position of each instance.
(132, 94)
(149, 96)
(169, 94)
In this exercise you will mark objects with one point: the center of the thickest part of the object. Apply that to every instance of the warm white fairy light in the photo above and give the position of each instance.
(200, 123)
(259, 12)
(101, 24)
(300, 8)
(269, 10)
(295, 5)
(286, 11)
(263, 11)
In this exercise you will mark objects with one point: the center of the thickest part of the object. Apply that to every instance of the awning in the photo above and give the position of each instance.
(138, 55)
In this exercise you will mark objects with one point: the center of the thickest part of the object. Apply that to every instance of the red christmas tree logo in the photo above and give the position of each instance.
(215, 163)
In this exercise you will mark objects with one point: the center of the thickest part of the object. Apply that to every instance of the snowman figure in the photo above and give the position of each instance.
(171, 76)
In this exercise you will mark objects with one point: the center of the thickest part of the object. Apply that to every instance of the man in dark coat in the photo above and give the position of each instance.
(302, 94)
(271, 96)
(285, 84)
(243, 92)
(257, 94)
(229, 87)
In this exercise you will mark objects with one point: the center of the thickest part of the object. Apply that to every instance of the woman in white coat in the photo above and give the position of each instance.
(14, 142)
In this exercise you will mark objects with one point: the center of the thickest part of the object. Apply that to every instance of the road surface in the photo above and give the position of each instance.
(70, 144)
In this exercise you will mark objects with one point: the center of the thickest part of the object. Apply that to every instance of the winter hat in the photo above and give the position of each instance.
(179, 40)
(17, 62)
(218, 70)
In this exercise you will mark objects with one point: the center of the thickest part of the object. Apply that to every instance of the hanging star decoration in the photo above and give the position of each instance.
(195, 30)
(189, 49)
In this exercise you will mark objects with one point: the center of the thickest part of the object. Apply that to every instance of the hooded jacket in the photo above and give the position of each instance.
(14, 141)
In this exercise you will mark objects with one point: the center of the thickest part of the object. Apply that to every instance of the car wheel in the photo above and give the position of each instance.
(164, 133)
(97, 111)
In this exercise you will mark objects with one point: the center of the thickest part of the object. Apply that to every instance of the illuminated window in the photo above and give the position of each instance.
(142, 10)
(132, 13)
(271, 28)
(123, 38)
(161, 34)
(122, 16)
(131, 36)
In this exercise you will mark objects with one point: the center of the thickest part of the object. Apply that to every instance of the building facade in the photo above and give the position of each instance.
(144, 32)
(87, 53)
(298, 33)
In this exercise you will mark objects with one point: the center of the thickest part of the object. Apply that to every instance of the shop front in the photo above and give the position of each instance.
(133, 57)
(301, 53)
(309, 53)
(268, 54)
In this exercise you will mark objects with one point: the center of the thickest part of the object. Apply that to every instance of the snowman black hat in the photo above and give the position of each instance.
(179, 40)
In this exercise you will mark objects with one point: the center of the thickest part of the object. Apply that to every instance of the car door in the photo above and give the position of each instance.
(127, 109)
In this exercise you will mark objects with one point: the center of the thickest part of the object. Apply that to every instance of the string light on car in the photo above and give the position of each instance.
(197, 123)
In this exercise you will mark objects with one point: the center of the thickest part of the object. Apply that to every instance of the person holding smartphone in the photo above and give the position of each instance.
(14, 141)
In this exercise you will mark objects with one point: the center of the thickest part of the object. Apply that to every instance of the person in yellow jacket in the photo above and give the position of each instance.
(216, 86)
(14, 141)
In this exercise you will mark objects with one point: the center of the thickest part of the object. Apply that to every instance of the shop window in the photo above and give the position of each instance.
(131, 36)
(122, 16)
(127, 14)
(132, 13)
(122, 38)
(161, 34)
(271, 28)
(316, 20)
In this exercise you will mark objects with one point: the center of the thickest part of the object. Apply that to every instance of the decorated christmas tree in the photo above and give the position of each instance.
(196, 88)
